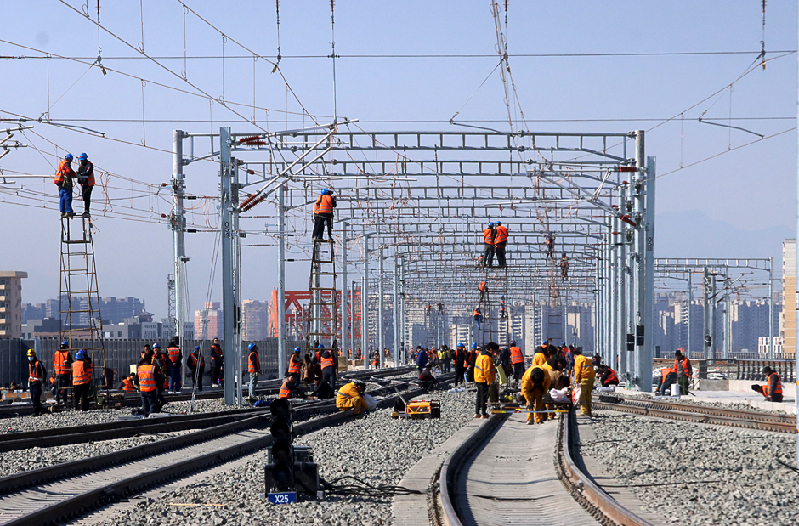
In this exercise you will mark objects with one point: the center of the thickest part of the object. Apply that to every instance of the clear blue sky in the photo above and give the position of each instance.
(751, 188)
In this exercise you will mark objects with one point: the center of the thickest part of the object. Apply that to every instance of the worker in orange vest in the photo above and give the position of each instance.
(295, 366)
(176, 359)
(477, 316)
(86, 181)
(682, 366)
(323, 213)
(773, 388)
(286, 387)
(483, 288)
(63, 180)
(127, 384)
(517, 361)
(253, 367)
(500, 242)
(607, 376)
(217, 361)
(196, 365)
(62, 367)
(81, 379)
(488, 245)
(148, 378)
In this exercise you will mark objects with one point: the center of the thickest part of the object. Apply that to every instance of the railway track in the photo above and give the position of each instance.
(505, 461)
(65, 491)
(700, 414)
(268, 388)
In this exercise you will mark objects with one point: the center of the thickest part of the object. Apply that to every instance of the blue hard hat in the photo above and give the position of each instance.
(65, 344)
(499, 223)
(296, 349)
(83, 157)
(544, 343)
(564, 344)
(491, 224)
(252, 346)
(474, 345)
(460, 344)
(321, 346)
(68, 157)
(156, 345)
(197, 348)
(323, 192)
(80, 355)
(513, 342)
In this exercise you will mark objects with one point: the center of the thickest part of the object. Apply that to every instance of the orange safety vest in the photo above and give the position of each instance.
(174, 354)
(60, 362)
(612, 377)
(664, 373)
(686, 367)
(89, 181)
(482, 286)
(502, 235)
(127, 385)
(81, 372)
(64, 171)
(254, 364)
(488, 236)
(146, 378)
(778, 388)
(327, 362)
(34, 369)
(285, 390)
(516, 355)
(476, 313)
(294, 367)
(193, 360)
(323, 205)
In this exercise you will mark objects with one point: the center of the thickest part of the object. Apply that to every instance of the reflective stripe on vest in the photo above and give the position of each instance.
(63, 171)
(174, 354)
(81, 374)
(285, 391)
(502, 234)
(33, 368)
(253, 364)
(516, 355)
(60, 360)
(612, 377)
(146, 378)
(778, 387)
(685, 367)
(294, 367)
(488, 236)
(327, 362)
(323, 205)
(87, 180)
(127, 385)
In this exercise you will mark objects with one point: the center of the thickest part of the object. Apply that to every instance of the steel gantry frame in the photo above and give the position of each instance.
(423, 198)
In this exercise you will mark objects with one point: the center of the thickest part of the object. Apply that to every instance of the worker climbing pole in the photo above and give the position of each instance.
(322, 315)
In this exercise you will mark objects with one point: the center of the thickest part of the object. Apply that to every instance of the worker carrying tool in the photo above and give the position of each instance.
(564, 267)
(488, 245)
(773, 388)
(549, 241)
(500, 242)
(63, 180)
(36, 375)
(86, 181)
(323, 213)
(351, 397)
(483, 288)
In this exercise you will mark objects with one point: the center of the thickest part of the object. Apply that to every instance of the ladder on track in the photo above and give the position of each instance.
(81, 324)
(322, 314)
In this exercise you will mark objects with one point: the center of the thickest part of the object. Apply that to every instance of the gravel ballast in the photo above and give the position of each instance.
(713, 474)
(375, 448)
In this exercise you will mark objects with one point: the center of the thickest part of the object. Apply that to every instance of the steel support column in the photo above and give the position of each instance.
(229, 263)
(645, 358)
(380, 337)
(396, 313)
(281, 280)
(345, 321)
(178, 224)
(771, 308)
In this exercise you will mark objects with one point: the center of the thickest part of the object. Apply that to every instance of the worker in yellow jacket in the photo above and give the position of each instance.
(484, 374)
(584, 375)
(540, 356)
(351, 397)
(535, 383)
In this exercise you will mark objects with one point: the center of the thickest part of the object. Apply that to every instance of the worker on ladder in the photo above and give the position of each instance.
(550, 243)
(483, 288)
(564, 267)
(500, 242)
(477, 316)
(86, 181)
(63, 180)
(488, 246)
(323, 213)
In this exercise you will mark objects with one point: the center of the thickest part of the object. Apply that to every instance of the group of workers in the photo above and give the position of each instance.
(65, 179)
(67, 374)
(315, 374)
(495, 241)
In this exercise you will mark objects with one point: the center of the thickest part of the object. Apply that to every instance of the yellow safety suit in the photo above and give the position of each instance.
(534, 396)
(540, 358)
(584, 375)
(348, 398)
(553, 374)
(484, 370)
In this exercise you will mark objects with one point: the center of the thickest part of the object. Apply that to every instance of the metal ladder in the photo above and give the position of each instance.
(79, 321)
(322, 314)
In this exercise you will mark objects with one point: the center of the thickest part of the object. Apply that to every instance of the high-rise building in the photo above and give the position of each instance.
(209, 322)
(254, 319)
(788, 317)
(11, 303)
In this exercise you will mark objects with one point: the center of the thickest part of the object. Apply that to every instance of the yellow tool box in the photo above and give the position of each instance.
(420, 409)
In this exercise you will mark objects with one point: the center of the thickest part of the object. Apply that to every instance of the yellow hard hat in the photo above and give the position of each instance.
(31, 352)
